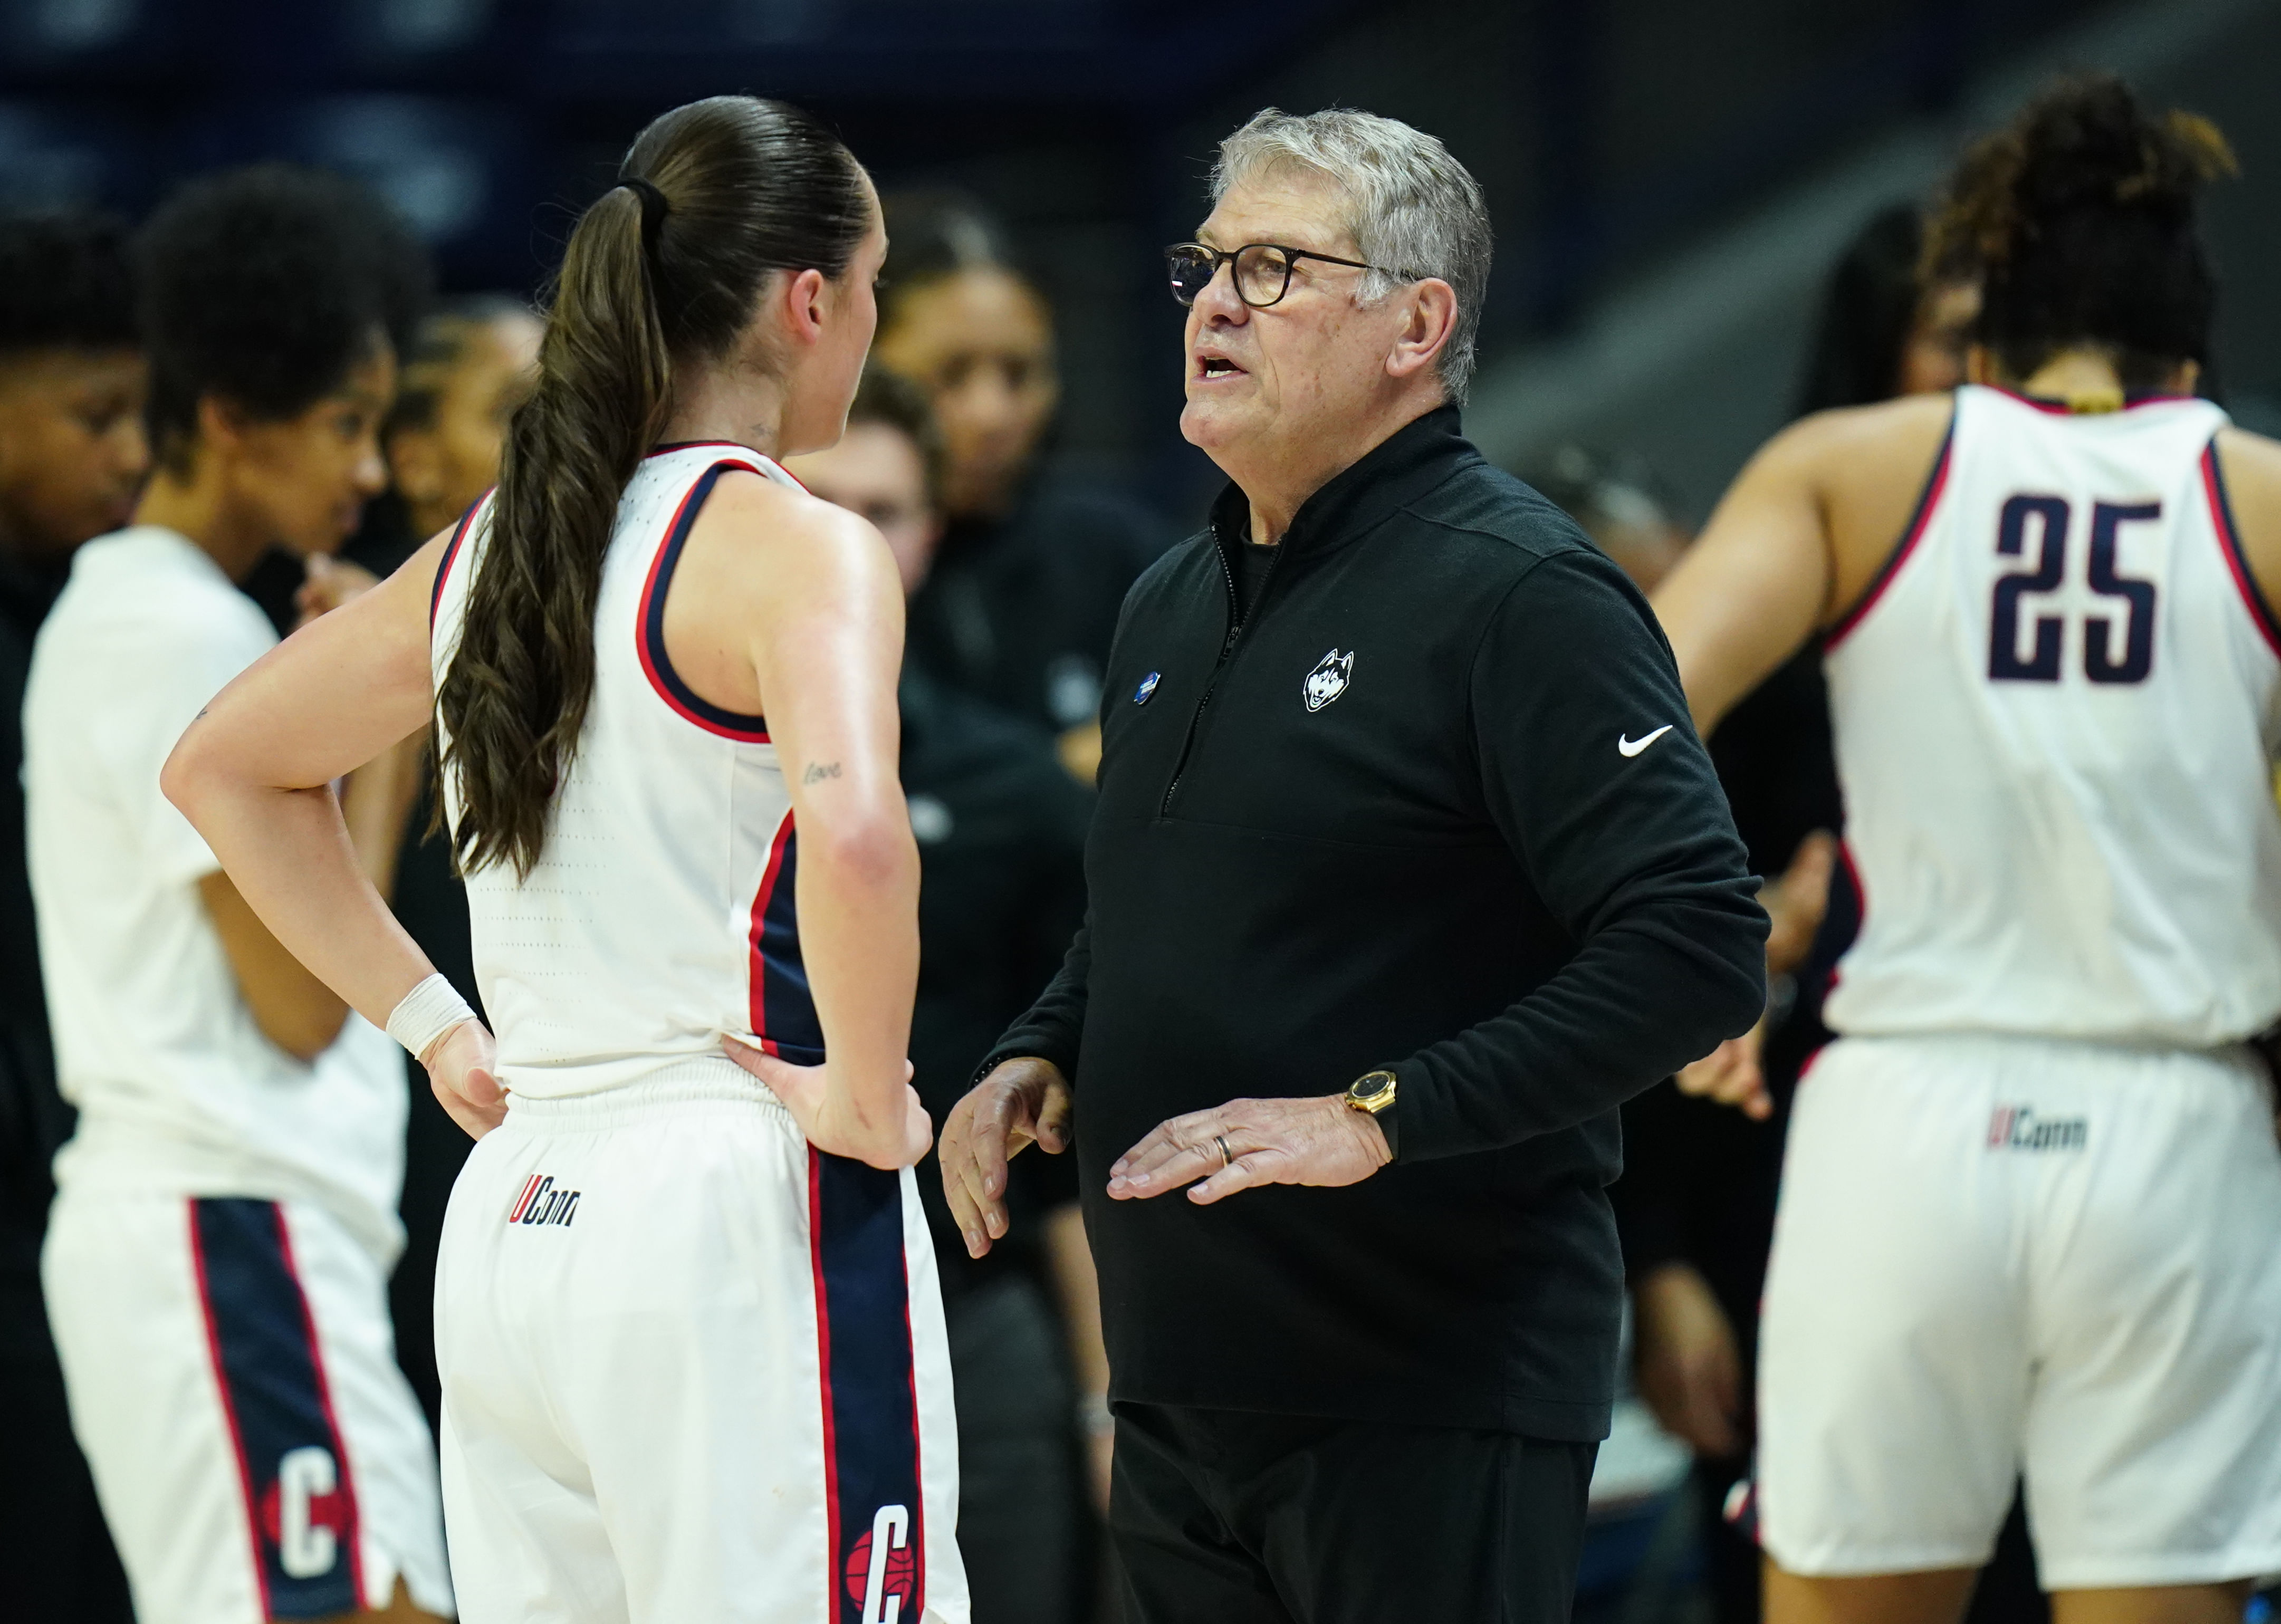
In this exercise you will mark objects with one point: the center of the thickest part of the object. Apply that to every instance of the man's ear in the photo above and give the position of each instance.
(1431, 319)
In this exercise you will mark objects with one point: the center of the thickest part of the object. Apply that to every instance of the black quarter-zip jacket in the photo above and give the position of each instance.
(1433, 803)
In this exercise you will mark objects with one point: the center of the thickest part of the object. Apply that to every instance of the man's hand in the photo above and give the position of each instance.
(1732, 1075)
(824, 1116)
(1689, 1371)
(1320, 1142)
(1024, 1102)
(462, 1071)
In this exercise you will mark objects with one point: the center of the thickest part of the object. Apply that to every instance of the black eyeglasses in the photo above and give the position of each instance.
(1263, 270)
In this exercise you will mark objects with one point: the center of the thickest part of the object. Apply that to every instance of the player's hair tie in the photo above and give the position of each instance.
(424, 1016)
(654, 207)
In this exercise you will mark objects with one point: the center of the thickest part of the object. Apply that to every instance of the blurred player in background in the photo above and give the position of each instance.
(1001, 831)
(73, 457)
(1033, 568)
(217, 1263)
(2030, 1195)
(690, 1340)
(468, 370)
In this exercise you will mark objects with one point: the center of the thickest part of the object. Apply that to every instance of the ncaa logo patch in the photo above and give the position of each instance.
(1141, 695)
(1329, 678)
(883, 1570)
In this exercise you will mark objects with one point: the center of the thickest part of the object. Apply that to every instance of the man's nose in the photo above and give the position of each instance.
(1219, 300)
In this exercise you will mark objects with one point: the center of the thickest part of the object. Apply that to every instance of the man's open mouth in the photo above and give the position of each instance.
(1217, 367)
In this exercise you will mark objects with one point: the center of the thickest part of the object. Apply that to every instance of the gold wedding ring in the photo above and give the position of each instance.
(1227, 1157)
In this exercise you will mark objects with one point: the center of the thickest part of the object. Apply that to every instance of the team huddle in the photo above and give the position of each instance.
(689, 1333)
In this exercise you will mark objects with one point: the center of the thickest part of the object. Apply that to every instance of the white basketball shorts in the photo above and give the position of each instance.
(1996, 1255)
(233, 1381)
(693, 1370)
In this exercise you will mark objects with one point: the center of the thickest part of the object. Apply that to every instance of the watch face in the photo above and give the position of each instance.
(1374, 1086)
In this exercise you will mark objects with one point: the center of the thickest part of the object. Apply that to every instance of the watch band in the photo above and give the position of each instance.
(1373, 1094)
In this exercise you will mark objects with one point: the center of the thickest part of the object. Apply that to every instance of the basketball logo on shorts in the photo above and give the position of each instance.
(2017, 1127)
(540, 1202)
(883, 1570)
(305, 1514)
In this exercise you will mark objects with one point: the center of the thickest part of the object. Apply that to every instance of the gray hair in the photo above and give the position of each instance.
(1415, 211)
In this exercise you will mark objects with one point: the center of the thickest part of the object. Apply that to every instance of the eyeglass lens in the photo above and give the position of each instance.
(1263, 273)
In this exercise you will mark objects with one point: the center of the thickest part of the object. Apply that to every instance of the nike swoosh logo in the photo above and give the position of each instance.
(1632, 747)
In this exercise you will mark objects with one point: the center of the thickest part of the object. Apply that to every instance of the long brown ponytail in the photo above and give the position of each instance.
(664, 270)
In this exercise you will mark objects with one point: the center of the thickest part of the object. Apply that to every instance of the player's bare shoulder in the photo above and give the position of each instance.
(757, 535)
(2249, 468)
(753, 512)
(1870, 466)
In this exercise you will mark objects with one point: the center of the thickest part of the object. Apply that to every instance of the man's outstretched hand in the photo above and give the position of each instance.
(1246, 1142)
(1024, 1102)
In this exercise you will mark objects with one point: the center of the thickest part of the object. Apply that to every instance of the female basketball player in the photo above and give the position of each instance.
(689, 1336)
(2029, 1208)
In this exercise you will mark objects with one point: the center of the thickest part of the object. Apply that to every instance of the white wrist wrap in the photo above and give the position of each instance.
(425, 1014)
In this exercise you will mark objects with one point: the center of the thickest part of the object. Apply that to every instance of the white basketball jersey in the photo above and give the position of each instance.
(660, 914)
(2056, 714)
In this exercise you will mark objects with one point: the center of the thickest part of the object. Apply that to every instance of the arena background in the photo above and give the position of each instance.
(1668, 178)
(1670, 181)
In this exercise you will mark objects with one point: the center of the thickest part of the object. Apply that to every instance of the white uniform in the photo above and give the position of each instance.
(216, 1263)
(2030, 1197)
(692, 1367)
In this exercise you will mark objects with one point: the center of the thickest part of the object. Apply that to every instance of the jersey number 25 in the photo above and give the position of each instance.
(2102, 661)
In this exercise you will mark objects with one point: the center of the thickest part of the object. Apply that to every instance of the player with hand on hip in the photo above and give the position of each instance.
(688, 1330)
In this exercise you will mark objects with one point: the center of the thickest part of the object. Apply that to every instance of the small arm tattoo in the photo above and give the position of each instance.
(818, 771)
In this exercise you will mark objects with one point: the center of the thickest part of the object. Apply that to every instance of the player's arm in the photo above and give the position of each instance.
(817, 604)
(254, 775)
(294, 1009)
(2250, 465)
(1751, 590)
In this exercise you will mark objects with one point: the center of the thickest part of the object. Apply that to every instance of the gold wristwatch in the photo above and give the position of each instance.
(1372, 1093)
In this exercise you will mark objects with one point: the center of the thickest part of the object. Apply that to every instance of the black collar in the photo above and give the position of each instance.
(1398, 470)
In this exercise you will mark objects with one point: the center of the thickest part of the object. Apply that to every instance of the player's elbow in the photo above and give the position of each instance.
(187, 779)
(869, 850)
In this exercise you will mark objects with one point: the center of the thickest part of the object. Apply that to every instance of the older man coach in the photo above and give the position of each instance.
(1407, 869)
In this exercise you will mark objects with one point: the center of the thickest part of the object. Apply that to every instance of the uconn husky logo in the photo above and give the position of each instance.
(883, 1570)
(540, 1202)
(1329, 678)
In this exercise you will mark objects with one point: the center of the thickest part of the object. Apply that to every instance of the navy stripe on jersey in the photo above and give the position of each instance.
(300, 1502)
(451, 552)
(870, 1394)
(1934, 485)
(650, 628)
(2237, 562)
(783, 1013)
